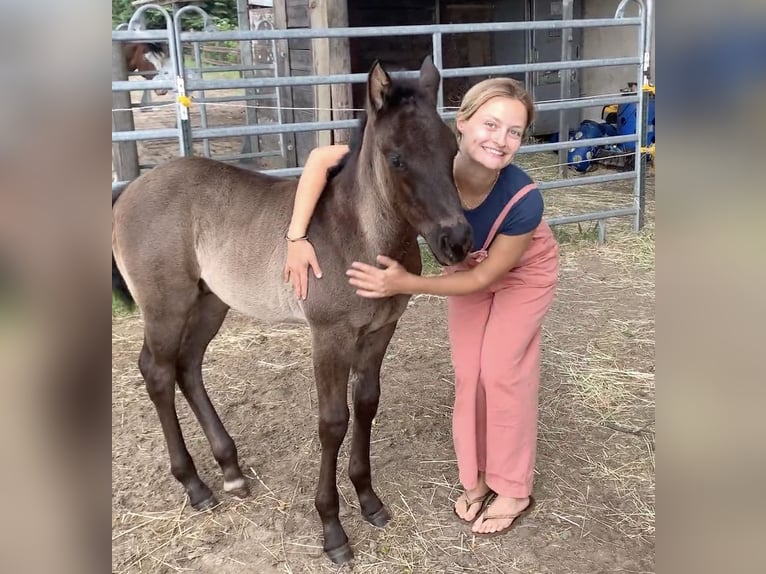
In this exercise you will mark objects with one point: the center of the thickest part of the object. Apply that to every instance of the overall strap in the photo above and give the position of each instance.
(500, 218)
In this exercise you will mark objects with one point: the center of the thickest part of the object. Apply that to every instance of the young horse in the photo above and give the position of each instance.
(194, 237)
(146, 57)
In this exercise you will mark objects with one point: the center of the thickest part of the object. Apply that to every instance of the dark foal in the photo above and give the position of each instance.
(195, 237)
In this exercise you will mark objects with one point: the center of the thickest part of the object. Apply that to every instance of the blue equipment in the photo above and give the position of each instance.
(627, 119)
(581, 158)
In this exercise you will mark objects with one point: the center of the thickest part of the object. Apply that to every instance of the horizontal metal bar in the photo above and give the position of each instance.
(568, 104)
(539, 66)
(235, 131)
(119, 185)
(139, 35)
(588, 180)
(595, 216)
(130, 85)
(542, 185)
(566, 144)
(376, 31)
(269, 82)
(252, 155)
(219, 99)
(264, 129)
(585, 102)
(276, 128)
(387, 31)
(252, 68)
(141, 135)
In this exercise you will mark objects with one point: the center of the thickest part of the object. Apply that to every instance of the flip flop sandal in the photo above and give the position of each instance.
(514, 517)
(470, 502)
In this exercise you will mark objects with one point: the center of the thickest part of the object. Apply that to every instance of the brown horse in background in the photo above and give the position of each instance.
(146, 57)
(195, 237)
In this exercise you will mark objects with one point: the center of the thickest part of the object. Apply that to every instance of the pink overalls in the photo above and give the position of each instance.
(495, 340)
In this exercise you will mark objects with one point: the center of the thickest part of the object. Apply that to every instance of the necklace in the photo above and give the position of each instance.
(483, 195)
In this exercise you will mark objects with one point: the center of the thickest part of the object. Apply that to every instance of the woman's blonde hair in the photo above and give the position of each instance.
(485, 90)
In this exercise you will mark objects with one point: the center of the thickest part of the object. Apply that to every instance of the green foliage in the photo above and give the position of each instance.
(430, 264)
(224, 13)
(575, 232)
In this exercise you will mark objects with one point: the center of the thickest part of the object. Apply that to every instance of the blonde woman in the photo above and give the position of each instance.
(496, 299)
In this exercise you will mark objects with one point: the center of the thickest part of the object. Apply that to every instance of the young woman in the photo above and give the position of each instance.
(496, 299)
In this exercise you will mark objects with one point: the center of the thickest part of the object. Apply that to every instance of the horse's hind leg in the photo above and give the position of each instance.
(163, 332)
(206, 318)
(368, 357)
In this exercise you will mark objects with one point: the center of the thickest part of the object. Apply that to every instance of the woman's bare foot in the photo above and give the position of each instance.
(469, 503)
(500, 514)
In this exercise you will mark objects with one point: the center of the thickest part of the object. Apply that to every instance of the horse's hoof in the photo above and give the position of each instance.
(237, 488)
(241, 493)
(379, 518)
(341, 554)
(207, 504)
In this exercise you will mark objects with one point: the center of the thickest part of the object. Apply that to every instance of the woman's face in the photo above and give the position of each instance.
(493, 134)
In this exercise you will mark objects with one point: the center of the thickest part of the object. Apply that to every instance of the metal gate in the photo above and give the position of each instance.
(182, 82)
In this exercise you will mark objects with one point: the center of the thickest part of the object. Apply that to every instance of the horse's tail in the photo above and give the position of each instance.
(119, 287)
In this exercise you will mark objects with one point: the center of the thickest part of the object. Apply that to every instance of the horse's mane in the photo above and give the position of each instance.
(355, 145)
(156, 48)
(400, 91)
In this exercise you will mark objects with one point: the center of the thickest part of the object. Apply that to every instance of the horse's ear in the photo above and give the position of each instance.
(378, 84)
(430, 77)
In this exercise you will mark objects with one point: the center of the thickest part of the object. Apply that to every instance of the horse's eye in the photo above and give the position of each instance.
(396, 161)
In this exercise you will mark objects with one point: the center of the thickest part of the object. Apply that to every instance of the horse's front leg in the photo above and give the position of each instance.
(332, 352)
(368, 357)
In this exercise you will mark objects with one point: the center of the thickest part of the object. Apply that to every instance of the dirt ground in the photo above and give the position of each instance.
(595, 468)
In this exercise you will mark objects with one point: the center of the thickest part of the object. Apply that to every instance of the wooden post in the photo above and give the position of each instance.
(124, 154)
(320, 48)
(282, 62)
(340, 63)
(249, 143)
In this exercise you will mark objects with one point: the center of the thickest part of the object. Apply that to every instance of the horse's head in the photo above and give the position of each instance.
(147, 57)
(412, 155)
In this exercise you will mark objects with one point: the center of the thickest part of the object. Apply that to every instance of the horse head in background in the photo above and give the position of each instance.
(149, 58)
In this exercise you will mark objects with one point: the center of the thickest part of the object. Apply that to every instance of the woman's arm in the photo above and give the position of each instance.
(300, 253)
(504, 254)
(311, 184)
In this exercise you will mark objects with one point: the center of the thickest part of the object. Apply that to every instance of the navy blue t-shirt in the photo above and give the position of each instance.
(523, 217)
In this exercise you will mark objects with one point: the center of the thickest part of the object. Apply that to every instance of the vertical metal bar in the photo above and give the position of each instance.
(437, 50)
(601, 226)
(277, 91)
(182, 111)
(648, 35)
(136, 22)
(639, 161)
(565, 77)
(202, 105)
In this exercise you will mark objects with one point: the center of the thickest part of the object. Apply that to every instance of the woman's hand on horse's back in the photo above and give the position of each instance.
(301, 256)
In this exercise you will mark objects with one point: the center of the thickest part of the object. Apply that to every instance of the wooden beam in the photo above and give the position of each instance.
(124, 154)
(340, 63)
(282, 61)
(320, 48)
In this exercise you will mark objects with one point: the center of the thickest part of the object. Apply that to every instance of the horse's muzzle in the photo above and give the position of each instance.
(452, 244)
